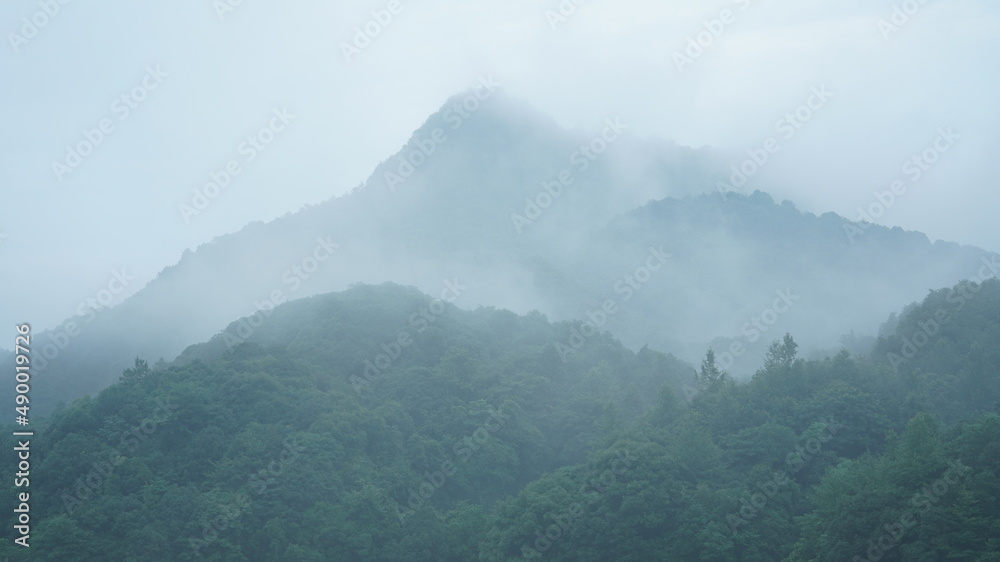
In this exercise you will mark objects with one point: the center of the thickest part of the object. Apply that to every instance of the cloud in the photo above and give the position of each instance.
(609, 58)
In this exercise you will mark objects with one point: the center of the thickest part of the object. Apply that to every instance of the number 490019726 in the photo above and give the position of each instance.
(22, 348)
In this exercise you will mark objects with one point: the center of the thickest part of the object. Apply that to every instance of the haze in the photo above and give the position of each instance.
(220, 79)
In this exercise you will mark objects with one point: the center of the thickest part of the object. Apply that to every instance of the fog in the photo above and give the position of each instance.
(572, 279)
(225, 71)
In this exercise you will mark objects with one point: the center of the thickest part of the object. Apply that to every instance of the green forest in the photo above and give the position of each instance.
(379, 424)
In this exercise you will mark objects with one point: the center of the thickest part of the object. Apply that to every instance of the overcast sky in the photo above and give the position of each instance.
(205, 78)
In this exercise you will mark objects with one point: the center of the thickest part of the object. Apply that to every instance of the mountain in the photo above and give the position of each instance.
(748, 269)
(281, 421)
(382, 424)
(506, 209)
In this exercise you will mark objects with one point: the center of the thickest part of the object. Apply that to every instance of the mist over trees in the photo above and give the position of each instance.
(732, 271)
(516, 342)
(478, 442)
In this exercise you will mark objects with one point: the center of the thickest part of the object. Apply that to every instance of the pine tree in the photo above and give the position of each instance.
(710, 377)
(781, 354)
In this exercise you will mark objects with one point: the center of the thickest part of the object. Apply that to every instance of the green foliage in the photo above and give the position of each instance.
(479, 442)
(710, 377)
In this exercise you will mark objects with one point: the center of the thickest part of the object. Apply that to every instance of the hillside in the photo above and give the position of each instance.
(178, 448)
(473, 440)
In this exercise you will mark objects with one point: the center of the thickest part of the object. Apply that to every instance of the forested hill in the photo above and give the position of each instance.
(382, 424)
(733, 257)
(278, 424)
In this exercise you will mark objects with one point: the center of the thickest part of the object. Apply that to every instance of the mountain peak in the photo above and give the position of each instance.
(485, 114)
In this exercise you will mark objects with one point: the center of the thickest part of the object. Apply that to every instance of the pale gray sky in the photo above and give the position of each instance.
(220, 79)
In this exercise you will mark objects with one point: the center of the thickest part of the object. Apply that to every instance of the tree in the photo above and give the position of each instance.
(710, 377)
(136, 373)
(781, 354)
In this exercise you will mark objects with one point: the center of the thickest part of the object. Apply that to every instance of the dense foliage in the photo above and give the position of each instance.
(377, 424)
